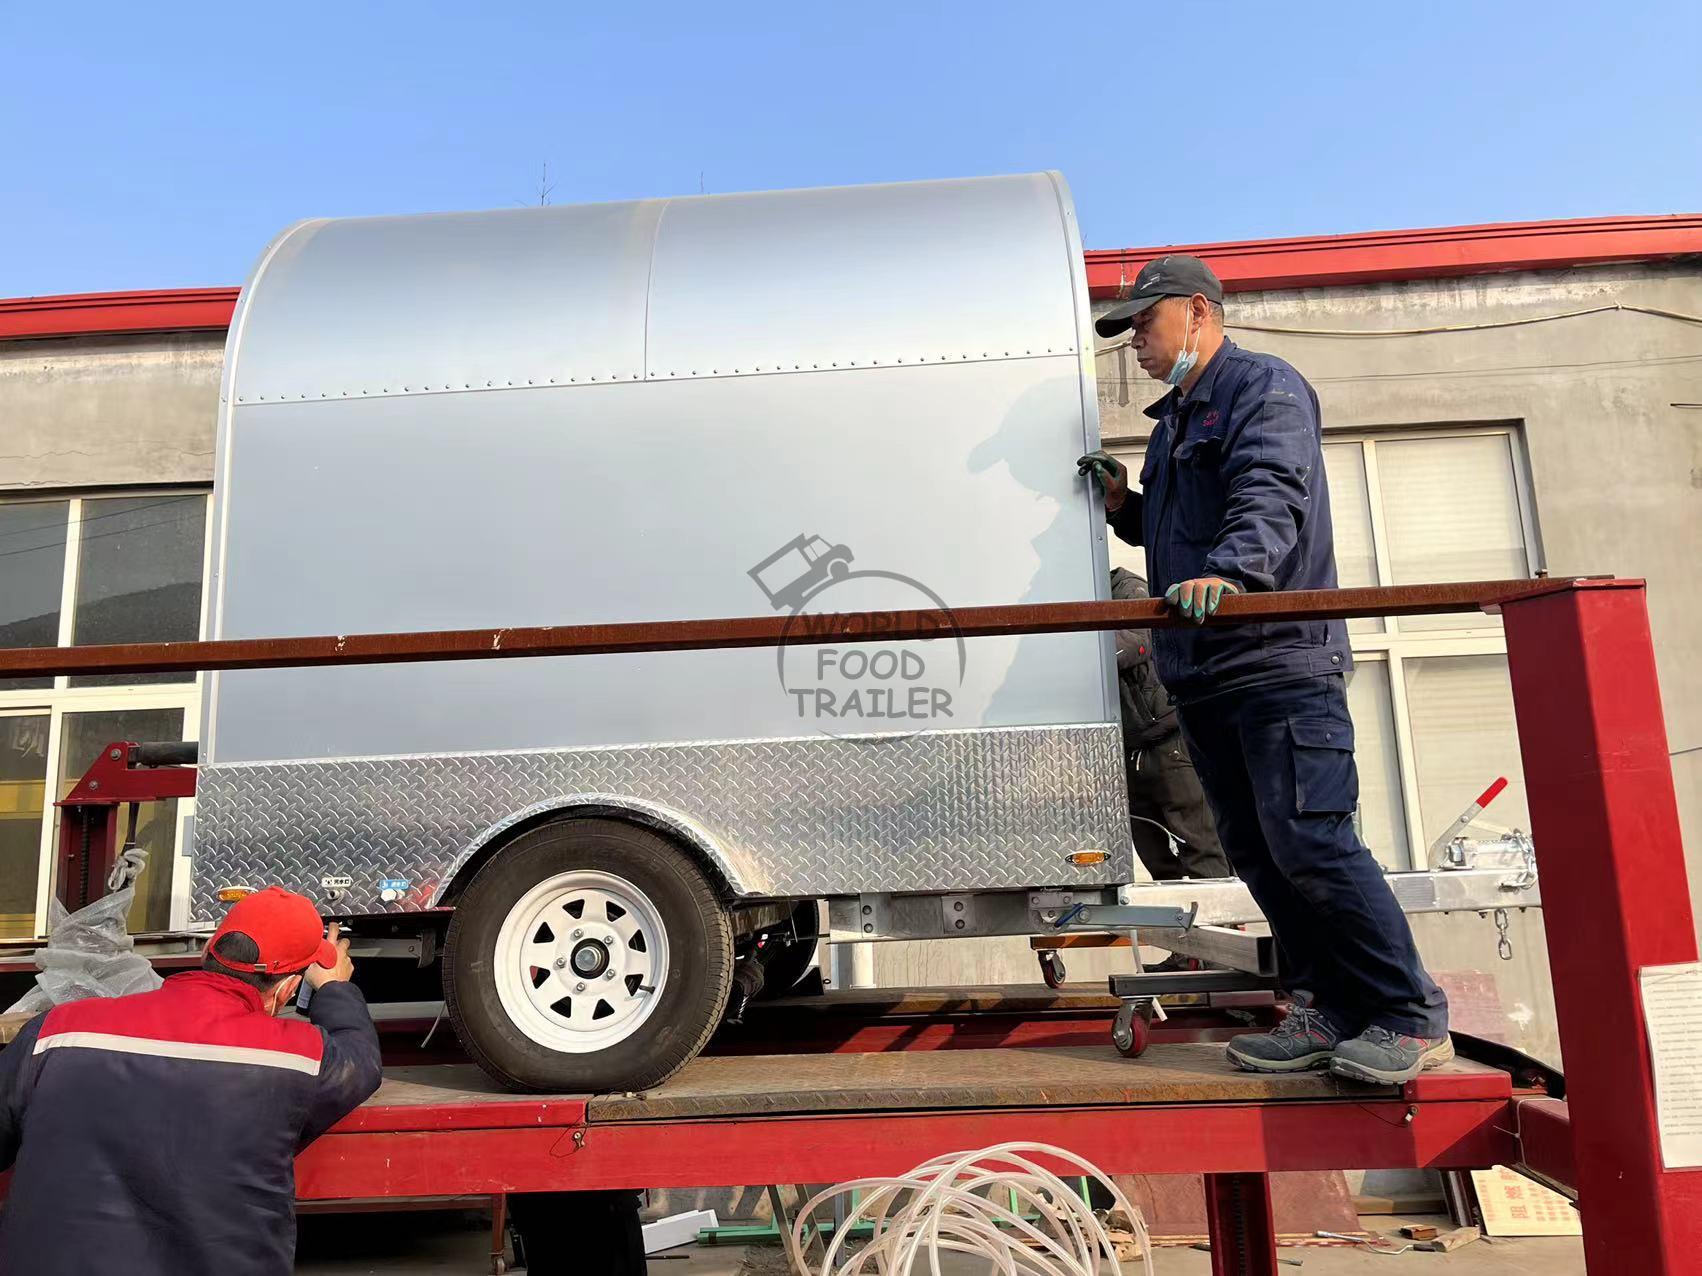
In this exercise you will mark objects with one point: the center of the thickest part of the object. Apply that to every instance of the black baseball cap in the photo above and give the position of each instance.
(1177, 276)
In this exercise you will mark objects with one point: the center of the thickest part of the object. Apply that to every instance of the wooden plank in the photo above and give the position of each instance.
(1073, 1076)
(988, 999)
(1448, 1242)
(748, 1085)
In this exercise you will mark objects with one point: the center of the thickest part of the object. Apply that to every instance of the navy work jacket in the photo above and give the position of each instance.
(156, 1134)
(1233, 486)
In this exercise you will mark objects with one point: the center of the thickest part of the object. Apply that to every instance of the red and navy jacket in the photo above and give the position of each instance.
(157, 1133)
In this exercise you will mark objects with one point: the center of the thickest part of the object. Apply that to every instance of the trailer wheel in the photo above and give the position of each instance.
(587, 955)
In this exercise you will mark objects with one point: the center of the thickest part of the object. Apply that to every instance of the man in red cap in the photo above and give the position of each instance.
(157, 1133)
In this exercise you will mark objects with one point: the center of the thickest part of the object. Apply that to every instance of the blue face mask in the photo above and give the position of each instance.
(1185, 358)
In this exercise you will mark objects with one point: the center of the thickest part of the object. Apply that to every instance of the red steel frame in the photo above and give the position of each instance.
(1605, 818)
(88, 822)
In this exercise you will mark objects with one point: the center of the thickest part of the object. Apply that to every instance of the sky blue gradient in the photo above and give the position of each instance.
(151, 146)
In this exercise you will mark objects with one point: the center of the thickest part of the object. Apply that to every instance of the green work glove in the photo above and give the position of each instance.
(1110, 473)
(1197, 599)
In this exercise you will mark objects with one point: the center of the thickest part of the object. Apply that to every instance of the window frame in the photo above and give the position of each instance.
(62, 698)
(1397, 645)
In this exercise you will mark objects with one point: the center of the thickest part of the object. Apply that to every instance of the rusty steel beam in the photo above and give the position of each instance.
(753, 631)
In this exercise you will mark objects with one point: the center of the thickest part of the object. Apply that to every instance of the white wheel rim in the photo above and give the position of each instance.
(581, 961)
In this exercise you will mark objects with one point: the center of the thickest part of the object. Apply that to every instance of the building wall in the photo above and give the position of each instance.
(106, 452)
(106, 411)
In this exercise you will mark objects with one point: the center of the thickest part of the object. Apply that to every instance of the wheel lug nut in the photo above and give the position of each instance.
(608, 974)
(579, 932)
(561, 963)
(579, 987)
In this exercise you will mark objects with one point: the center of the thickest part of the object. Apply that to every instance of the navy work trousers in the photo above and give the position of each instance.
(1277, 765)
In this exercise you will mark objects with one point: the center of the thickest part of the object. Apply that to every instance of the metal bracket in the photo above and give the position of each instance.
(1221, 946)
(957, 914)
(1126, 917)
(874, 914)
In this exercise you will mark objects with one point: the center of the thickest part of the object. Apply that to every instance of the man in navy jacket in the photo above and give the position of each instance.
(157, 1133)
(1233, 499)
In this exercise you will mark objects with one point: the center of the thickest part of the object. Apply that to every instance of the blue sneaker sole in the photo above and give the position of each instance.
(1353, 1070)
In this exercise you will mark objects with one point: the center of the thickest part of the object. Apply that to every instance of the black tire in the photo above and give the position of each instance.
(689, 1005)
(570, 1233)
(792, 961)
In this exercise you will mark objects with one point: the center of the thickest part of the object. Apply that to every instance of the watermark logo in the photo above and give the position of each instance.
(896, 685)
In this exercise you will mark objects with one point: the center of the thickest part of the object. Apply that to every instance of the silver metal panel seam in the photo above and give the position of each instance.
(854, 277)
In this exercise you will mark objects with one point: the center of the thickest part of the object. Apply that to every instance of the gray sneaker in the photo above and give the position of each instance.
(1389, 1058)
(1304, 1039)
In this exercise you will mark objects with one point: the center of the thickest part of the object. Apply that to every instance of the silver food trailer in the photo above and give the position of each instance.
(820, 401)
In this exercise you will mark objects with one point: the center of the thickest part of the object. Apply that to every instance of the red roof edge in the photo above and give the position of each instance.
(84, 314)
(1387, 255)
(1244, 266)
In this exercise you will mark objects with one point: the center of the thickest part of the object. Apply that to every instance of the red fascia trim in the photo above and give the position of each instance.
(1244, 266)
(1382, 256)
(84, 314)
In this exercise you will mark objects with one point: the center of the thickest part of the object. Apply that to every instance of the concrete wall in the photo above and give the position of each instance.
(96, 411)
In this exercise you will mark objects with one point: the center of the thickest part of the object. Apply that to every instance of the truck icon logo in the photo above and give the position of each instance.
(798, 569)
(889, 686)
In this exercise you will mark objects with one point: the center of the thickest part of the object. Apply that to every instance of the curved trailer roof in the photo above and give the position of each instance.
(666, 289)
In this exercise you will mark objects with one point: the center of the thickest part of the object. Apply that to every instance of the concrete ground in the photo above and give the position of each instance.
(429, 1244)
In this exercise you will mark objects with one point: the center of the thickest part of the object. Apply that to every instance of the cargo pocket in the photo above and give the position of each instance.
(1325, 780)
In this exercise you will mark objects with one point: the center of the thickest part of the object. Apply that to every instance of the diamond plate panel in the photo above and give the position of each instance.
(935, 811)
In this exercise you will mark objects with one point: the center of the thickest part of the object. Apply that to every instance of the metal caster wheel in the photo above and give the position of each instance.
(1132, 1031)
(1052, 968)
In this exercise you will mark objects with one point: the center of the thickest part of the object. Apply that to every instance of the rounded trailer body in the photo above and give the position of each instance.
(840, 399)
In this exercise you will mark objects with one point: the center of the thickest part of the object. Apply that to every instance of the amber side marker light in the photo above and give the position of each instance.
(1081, 859)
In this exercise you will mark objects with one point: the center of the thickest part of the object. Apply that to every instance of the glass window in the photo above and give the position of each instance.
(139, 576)
(84, 736)
(23, 798)
(1382, 807)
(32, 578)
(1350, 517)
(1451, 507)
(1464, 738)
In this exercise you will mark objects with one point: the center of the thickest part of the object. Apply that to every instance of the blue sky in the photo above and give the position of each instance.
(151, 146)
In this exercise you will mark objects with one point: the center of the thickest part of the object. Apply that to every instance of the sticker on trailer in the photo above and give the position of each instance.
(391, 889)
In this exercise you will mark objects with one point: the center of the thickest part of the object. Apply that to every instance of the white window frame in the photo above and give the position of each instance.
(1395, 645)
(62, 698)
(1390, 643)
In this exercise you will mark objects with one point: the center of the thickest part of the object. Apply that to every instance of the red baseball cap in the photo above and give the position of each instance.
(285, 926)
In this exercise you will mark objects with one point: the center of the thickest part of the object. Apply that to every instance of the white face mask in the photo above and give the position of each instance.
(1185, 358)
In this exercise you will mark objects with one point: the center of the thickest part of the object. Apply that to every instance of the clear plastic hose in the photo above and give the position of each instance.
(973, 1203)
